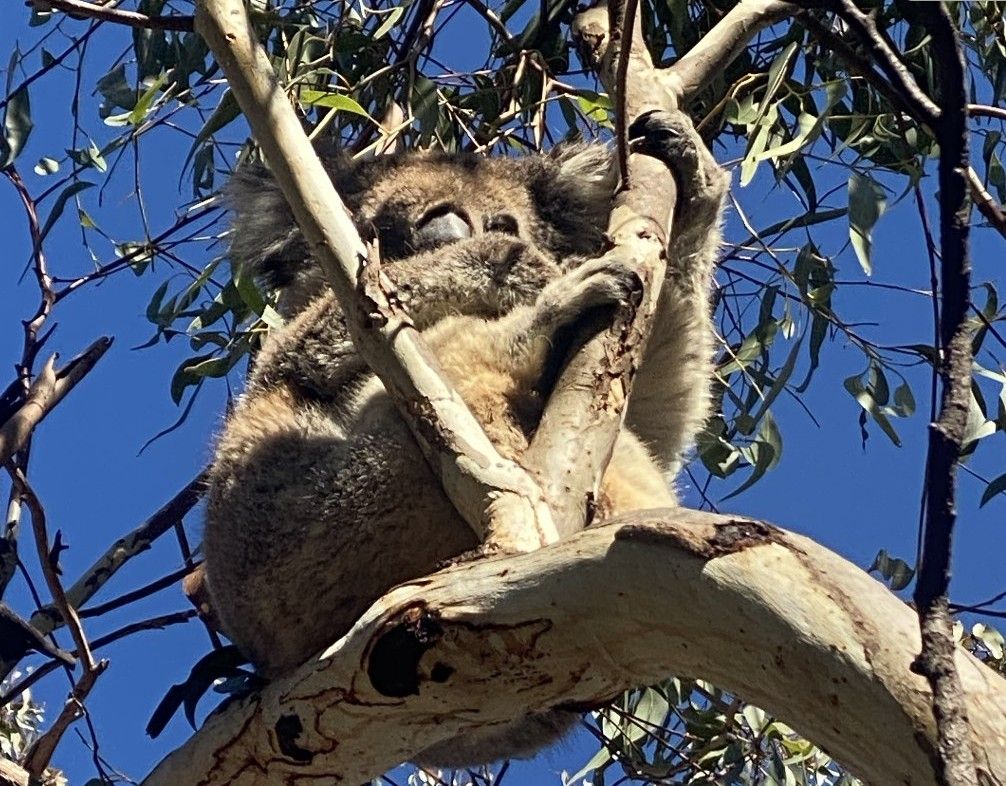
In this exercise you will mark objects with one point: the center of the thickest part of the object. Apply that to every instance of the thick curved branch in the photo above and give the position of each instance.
(497, 497)
(728, 38)
(768, 615)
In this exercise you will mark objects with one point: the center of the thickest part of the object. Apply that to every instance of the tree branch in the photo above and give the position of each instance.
(125, 548)
(955, 764)
(47, 390)
(40, 752)
(80, 8)
(810, 637)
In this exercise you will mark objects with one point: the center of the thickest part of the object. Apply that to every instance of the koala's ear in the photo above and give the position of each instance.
(573, 187)
(265, 239)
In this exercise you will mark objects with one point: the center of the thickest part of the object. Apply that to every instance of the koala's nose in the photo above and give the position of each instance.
(443, 227)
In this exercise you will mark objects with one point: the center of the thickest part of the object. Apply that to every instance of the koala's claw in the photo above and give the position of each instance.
(601, 282)
(671, 137)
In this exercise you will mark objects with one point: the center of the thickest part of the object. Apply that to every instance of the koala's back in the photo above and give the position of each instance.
(309, 524)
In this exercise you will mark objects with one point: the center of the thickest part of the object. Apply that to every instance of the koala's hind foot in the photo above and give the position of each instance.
(671, 137)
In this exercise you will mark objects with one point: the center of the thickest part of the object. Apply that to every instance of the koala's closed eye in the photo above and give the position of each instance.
(442, 225)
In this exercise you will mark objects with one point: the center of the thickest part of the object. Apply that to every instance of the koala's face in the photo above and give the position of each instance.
(525, 219)
(420, 201)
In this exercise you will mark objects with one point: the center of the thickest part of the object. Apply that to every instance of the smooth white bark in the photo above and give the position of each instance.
(766, 614)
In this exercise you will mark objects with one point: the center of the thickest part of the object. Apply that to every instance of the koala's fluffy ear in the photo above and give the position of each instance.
(265, 239)
(573, 186)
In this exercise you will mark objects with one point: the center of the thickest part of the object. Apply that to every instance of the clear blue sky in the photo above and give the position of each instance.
(95, 487)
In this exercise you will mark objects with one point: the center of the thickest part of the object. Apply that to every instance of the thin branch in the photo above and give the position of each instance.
(39, 754)
(47, 390)
(492, 18)
(711, 55)
(985, 203)
(159, 622)
(984, 110)
(55, 62)
(80, 8)
(897, 73)
(955, 762)
(858, 64)
(163, 583)
(125, 548)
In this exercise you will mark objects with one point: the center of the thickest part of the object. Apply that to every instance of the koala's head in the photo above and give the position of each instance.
(554, 206)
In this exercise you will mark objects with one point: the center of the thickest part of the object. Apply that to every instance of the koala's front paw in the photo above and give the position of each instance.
(601, 282)
(671, 137)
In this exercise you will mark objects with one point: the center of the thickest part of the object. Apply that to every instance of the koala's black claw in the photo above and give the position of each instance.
(652, 131)
(669, 136)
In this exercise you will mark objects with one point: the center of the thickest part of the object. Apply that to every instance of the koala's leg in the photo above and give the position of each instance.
(670, 395)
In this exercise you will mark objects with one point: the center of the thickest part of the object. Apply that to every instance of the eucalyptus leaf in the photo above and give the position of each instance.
(867, 203)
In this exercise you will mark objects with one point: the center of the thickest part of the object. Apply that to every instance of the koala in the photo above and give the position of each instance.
(319, 497)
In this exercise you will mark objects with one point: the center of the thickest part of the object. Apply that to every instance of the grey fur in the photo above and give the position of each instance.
(320, 500)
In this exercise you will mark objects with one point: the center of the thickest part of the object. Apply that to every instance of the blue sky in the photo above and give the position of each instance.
(87, 471)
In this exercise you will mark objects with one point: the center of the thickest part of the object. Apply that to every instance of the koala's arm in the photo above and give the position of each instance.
(670, 395)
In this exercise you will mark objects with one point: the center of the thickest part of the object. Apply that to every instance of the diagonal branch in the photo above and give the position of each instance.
(121, 551)
(47, 390)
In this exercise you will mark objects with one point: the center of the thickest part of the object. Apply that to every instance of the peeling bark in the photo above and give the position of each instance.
(766, 614)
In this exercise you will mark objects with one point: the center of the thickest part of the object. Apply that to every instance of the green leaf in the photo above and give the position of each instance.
(777, 73)
(46, 166)
(904, 401)
(979, 426)
(89, 156)
(762, 455)
(252, 298)
(60, 204)
(390, 21)
(872, 394)
(809, 126)
(154, 306)
(17, 126)
(867, 202)
(116, 91)
(598, 760)
(336, 101)
(649, 713)
(139, 112)
(896, 572)
(990, 638)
